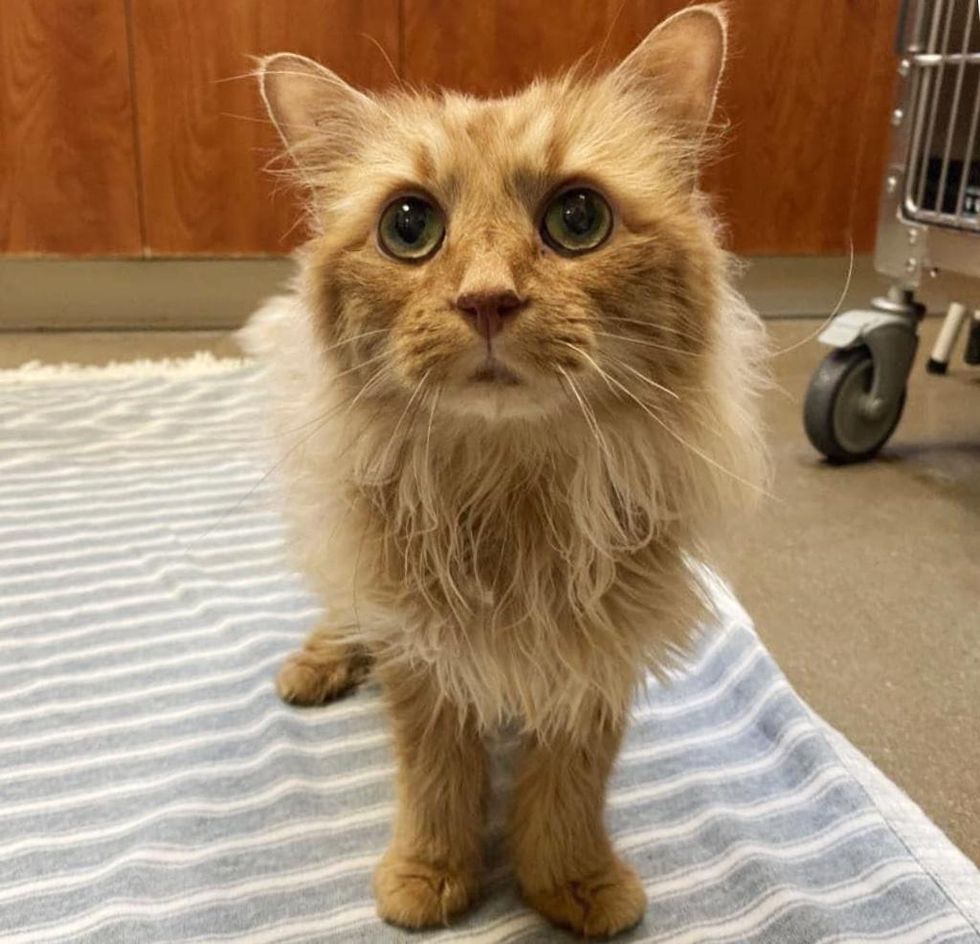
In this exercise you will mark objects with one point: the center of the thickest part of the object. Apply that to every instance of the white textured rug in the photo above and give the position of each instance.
(152, 788)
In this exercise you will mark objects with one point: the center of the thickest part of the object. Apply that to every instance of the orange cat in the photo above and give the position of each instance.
(514, 395)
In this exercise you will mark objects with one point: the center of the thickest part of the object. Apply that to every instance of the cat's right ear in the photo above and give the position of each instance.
(309, 105)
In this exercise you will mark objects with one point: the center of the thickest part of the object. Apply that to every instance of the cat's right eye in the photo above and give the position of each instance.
(411, 228)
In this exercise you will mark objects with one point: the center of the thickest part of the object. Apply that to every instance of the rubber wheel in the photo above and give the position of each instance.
(835, 414)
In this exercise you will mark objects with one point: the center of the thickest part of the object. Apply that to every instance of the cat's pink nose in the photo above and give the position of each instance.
(487, 311)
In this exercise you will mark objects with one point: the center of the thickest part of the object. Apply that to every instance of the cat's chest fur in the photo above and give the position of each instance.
(528, 588)
(536, 570)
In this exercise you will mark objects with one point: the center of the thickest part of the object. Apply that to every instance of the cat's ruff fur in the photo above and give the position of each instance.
(587, 601)
(509, 551)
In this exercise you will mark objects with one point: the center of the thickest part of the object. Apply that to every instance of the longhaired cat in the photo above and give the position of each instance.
(514, 396)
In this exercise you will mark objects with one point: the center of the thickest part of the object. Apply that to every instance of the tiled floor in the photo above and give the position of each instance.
(864, 581)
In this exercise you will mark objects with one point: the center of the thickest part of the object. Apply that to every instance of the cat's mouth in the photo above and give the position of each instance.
(492, 389)
(493, 372)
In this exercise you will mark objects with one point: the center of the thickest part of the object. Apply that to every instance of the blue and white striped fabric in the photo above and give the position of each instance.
(152, 787)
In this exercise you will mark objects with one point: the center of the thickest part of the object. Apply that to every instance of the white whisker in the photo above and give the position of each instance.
(393, 441)
(645, 343)
(588, 413)
(656, 326)
(428, 428)
(833, 313)
(667, 429)
(375, 377)
(356, 337)
(356, 367)
(653, 383)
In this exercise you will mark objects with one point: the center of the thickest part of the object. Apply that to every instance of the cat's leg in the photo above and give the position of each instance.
(564, 859)
(432, 868)
(322, 670)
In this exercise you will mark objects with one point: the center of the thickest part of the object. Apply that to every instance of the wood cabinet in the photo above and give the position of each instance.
(132, 127)
(796, 97)
(68, 178)
(805, 96)
(204, 140)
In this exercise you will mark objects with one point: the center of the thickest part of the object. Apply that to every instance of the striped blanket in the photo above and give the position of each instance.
(152, 787)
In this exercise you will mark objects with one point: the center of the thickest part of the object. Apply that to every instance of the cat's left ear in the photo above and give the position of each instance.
(681, 61)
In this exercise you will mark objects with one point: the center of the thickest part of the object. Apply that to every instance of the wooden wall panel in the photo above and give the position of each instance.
(879, 100)
(794, 94)
(496, 47)
(204, 141)
(807, 96)
(67, 166)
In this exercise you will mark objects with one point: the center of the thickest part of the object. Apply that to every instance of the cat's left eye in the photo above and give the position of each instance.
(577, 220)
(411, 228)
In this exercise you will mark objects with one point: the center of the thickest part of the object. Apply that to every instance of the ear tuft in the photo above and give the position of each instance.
(303, 98)
(682, 60)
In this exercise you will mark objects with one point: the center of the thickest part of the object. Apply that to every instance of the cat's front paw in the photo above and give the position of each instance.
(414, 894)
(315, 675)
(597, 905)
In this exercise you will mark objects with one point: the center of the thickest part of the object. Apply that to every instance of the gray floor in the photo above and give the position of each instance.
(864, 581)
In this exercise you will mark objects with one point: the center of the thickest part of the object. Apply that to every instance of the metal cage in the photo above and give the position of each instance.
(930, 211)
(928, 235)
(943, 181)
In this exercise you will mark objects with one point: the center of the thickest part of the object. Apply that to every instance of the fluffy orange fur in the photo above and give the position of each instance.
(509, 530)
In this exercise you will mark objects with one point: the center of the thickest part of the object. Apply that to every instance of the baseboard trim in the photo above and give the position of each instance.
(196, 294)
(809, 286)
(146, 294)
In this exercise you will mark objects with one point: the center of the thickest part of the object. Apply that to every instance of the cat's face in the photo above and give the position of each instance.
(514, 257)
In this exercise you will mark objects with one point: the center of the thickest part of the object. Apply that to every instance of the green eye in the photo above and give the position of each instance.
(411, 228)
(576, 221)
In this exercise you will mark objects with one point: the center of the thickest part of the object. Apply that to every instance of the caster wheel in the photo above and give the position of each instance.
(838, 414)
